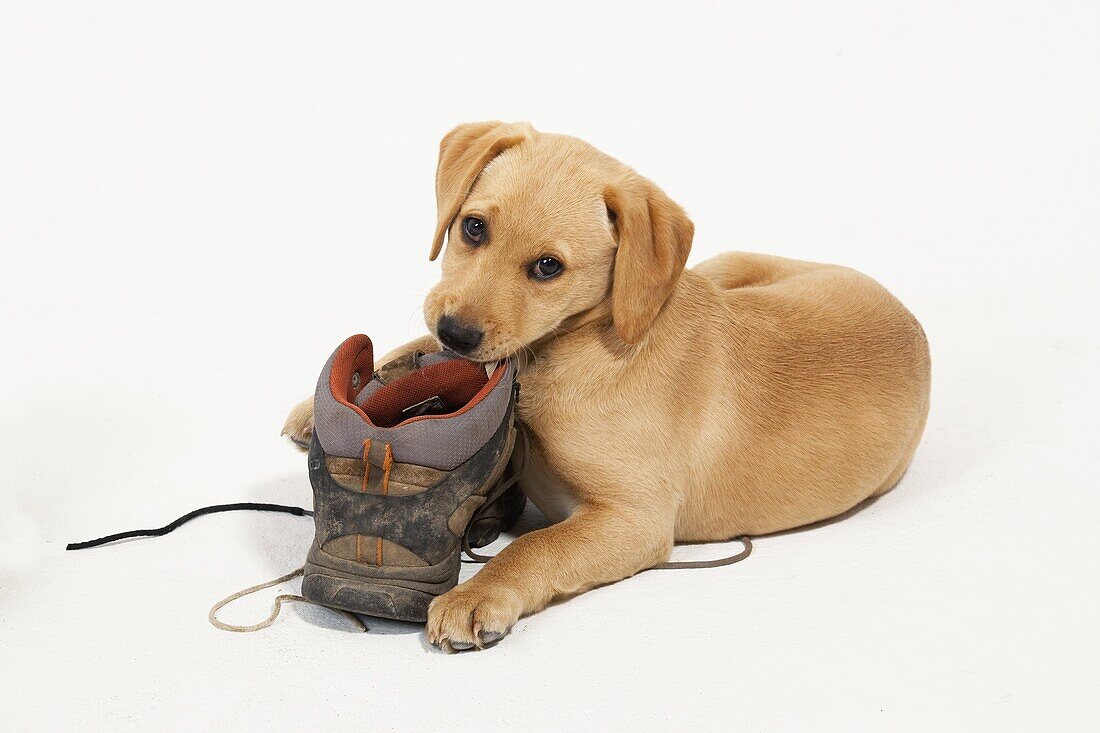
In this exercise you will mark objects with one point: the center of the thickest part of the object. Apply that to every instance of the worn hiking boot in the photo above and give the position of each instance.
(403, 462)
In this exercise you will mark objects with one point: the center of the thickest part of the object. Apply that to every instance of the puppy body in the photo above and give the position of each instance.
(769, 394)
(748, 395)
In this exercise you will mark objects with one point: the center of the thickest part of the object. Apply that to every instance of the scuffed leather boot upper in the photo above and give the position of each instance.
(401, 460)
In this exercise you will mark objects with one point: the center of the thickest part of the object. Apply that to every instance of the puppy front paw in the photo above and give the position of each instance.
(472, 616)
(299, 424)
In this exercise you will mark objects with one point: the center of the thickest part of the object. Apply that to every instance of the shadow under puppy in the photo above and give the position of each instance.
(747, 395)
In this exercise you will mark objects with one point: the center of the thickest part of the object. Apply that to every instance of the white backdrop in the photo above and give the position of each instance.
(198, 201)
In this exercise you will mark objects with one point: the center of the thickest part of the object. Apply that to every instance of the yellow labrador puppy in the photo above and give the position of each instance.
(747, 395)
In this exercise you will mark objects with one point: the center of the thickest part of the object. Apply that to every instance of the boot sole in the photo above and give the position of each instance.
(403, 594)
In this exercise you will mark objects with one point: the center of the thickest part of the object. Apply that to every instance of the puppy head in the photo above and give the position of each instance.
(541, 228)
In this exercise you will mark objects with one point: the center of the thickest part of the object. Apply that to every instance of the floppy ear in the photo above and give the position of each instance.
(463, 154)
(654, 236)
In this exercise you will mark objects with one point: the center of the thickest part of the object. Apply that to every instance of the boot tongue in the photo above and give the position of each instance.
(435, 405)
(399, 367)
(392, 370)
(411, 362)
(414, 360)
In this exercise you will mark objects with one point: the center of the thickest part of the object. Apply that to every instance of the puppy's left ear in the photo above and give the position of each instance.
(463, 154)
(654, 237)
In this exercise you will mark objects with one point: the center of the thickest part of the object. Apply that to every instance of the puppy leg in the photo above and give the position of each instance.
(425, 344)
(299, 424)
(596, 545)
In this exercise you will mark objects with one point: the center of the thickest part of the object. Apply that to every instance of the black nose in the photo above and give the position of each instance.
(457, 335)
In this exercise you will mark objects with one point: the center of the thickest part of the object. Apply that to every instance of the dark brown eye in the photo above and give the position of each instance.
(545, 268)
(473, 229)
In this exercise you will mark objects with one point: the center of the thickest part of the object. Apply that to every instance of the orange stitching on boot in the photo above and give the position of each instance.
(366, 466)
(387, 462)
(378, 553)
(358, 548)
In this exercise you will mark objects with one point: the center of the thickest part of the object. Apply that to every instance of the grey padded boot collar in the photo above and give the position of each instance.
(442, 442)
